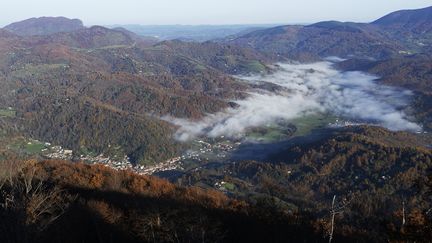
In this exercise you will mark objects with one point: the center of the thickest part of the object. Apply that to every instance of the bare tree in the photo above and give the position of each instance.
(333, 215)
(28, 178)
(336, 208)
(403, 214)
(9, 170)
(150, 225)
(46, 205)
(42, 204)
(429, 211)
(9, 174)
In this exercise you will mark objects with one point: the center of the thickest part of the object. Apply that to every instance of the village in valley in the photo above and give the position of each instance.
(202, 152)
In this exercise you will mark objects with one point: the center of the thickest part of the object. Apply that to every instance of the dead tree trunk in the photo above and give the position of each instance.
(403, 214)
(332, 221)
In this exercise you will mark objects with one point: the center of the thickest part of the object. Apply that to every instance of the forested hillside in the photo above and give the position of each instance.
(374, 174)
(58, 201)
(92, 88)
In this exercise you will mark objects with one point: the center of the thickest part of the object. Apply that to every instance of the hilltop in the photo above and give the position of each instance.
(44, 26)
(406, 18)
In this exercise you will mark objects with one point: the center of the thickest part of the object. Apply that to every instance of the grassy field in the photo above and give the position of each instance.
(20, 147)
(34, 147)
(23, 146)
(304, 126)
(307, 123)
(254, 66)
(229, 186)
(271, 134)
(7, 113)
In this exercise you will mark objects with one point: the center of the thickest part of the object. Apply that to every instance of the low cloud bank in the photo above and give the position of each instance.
(306, 89)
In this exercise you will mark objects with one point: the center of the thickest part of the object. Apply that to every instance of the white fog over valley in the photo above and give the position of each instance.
(306, 89)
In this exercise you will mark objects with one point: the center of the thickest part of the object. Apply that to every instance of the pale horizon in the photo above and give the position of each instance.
(196, 12)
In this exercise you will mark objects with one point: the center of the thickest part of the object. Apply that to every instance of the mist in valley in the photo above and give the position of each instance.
(306, 89)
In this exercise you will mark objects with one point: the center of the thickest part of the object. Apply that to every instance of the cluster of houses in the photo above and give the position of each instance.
(344, 123)
(171, 164)
(221, 149)
(177, 162)
(220, 186)
(123, 164)
(339, 123)
(57, 152)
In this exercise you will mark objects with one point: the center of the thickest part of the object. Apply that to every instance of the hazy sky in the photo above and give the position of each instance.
(105, 12)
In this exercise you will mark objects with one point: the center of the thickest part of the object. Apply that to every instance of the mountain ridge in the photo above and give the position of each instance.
(406, 17)
(44, 26)
(399, 32)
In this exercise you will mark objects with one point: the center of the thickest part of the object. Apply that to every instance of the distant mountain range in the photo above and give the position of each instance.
(399, 32)
(198, 33)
